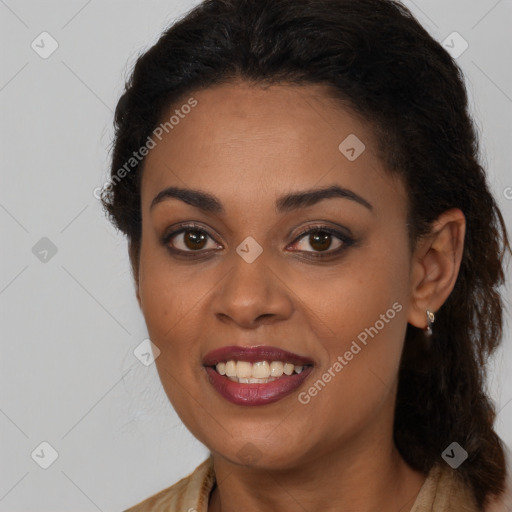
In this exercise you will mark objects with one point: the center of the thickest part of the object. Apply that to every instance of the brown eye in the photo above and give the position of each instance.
(188, 239)
(318, 240)
(194, 239)
(322, 241)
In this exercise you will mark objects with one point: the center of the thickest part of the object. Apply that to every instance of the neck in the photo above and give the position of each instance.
(368, 475)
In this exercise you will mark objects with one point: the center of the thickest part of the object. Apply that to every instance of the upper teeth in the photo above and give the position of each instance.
(258, 370)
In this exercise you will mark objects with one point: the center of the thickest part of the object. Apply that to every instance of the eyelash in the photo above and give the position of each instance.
(346, 240)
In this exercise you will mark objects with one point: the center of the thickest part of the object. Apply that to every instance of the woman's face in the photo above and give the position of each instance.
(246, 275)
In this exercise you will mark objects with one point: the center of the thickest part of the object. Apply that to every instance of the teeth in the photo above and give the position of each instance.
(288, 368)
(276, 368)
(231, 369)
(260, 370)
(244, 370)
(221, 368)
(251, 380)
(253, 373)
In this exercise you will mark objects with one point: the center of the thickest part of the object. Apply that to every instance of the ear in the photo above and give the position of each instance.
(134, 254)
(435, 265)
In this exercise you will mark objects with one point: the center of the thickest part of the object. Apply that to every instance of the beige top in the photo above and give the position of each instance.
(442, 491)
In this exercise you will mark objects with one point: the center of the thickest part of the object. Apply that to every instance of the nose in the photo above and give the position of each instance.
(252, 294)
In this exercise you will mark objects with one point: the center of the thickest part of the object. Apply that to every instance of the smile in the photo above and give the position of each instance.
(255, 375)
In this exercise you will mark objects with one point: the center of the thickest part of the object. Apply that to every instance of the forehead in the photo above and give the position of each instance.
(242, 140)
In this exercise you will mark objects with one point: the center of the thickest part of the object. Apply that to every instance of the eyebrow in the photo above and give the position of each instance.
(289, 202)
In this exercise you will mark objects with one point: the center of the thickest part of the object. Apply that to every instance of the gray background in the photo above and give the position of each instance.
(70, 321)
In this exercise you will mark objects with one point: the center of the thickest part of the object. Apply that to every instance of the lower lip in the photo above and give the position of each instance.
(256, 394)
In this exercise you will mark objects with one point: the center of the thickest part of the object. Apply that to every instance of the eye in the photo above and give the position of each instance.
(320, 239)
(189, 238)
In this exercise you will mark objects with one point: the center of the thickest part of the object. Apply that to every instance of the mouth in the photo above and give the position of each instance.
(255, 375)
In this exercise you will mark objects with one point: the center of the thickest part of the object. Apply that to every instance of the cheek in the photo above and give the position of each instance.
(365, 311)
(359, 293)
(168, 299)
(171, 303)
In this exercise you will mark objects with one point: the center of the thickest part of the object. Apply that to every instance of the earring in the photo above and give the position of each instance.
(431, 318)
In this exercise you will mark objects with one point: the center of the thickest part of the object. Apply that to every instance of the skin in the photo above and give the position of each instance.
(248, 145)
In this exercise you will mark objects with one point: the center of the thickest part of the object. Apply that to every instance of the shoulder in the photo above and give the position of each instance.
(445, 491)
(190, 493)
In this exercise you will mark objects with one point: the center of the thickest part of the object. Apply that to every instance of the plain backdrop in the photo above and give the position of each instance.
(70, 322)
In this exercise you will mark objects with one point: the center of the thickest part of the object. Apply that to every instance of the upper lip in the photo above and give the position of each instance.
(253, 354)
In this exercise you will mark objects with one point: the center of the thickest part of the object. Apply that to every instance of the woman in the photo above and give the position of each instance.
(317, 257)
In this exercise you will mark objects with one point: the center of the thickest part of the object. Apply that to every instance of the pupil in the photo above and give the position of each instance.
(196, 238)
(320, 240)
